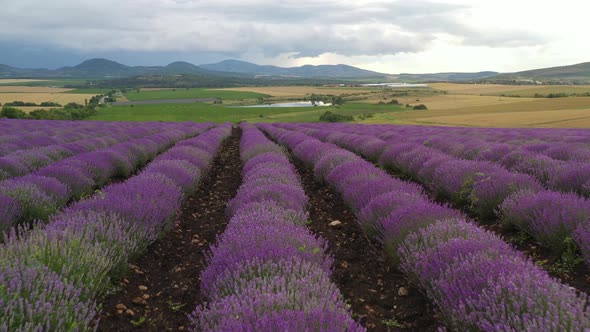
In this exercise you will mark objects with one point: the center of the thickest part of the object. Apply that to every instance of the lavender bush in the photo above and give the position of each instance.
(477, 280)
(549, 216)
(267, 272)
(88, 244)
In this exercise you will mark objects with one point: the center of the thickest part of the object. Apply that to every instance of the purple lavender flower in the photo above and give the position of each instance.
(285, 195)
(35, 298)
(10, 211)
(150, 200)
(582, 239)
(447, 260)
(74, 178)
(60, 192)
(12, 167)
(550, 216)
(572, 177)
(34, 202)
(407, 217)
(288, 295)
(182, 172)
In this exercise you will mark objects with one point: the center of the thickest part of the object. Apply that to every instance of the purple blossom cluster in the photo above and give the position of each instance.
(267, 272)
(559, 158)
(57, 270)
(480, 184)
(550, 217)
(50, 188)
(34, 151)
(478, 282)
(24, 134)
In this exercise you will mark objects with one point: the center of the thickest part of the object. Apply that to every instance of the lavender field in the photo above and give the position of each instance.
(292, 227)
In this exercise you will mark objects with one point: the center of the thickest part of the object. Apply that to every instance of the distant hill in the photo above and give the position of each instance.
(104, 68)
(99, 68)
(578, 73)
(307, 71)
(447, 77)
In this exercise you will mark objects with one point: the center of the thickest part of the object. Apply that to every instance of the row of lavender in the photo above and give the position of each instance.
(24, 134)
(38, 195)
(546, 140)
(51, 276)
(558, 220)
(23, 161)
(477, 280)
(563, 164)
(267, 272)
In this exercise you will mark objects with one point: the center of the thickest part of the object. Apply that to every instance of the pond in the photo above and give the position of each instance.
(290, 104)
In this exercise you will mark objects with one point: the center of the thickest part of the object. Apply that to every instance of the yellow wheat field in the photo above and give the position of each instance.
(61, 98)
(459, 101)
(18, 80)
(497, 89)
(554, 118)
(31, 89)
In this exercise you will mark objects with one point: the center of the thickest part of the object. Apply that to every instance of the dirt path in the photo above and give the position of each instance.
(162, 286)
(367, 282)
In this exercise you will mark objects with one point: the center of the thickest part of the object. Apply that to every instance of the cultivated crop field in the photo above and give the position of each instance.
(161, 226)
(151, 94)
(4, 81)
(200, 112)
(499, 89)
(39, 94)
(452, 104)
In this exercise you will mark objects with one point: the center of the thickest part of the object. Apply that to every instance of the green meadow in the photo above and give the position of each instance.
(200, 112)
(183, 93)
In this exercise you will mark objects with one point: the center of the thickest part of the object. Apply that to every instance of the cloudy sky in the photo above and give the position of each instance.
(387, 36)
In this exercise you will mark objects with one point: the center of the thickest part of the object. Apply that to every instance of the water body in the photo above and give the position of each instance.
(291, 104)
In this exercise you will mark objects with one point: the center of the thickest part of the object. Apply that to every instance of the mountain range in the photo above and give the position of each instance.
(107, 69)
(104, 68)
(336, 71)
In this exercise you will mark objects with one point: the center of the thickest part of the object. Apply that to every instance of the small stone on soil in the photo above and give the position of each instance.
(402, 291)
(335, 223)
(140, 301)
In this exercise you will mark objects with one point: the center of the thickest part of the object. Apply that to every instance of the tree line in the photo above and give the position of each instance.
(70, 111)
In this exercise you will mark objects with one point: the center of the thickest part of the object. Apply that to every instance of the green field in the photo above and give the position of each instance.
(182, 93)
(200, 112)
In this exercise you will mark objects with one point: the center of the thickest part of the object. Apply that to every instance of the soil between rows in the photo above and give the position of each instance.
(162, 286)
(369, 284)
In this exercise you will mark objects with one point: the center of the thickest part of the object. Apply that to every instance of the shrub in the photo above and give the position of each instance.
(334, 117)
